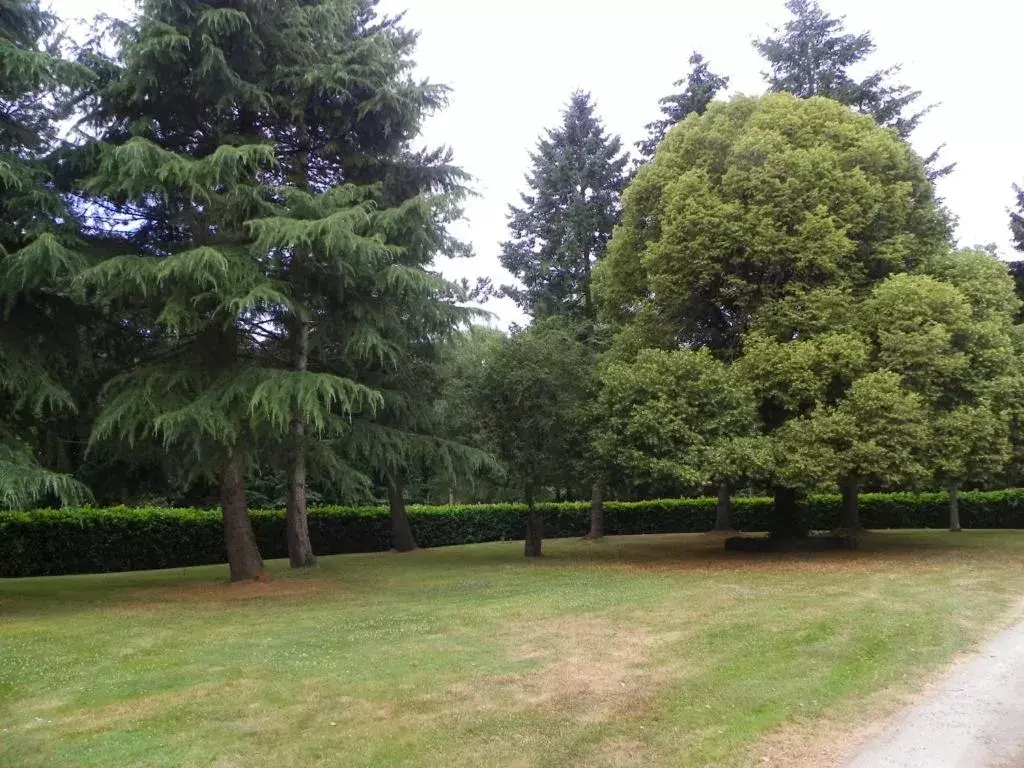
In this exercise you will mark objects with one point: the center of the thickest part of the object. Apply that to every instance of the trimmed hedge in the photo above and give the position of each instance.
(89, 540)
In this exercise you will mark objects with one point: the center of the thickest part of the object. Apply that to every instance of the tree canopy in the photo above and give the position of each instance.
(219, 233)
(532, 398)
(755, 201)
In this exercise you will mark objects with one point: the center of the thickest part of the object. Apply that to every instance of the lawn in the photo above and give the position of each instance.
(645, 651)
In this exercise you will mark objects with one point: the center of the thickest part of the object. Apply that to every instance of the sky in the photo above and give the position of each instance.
(512, 65)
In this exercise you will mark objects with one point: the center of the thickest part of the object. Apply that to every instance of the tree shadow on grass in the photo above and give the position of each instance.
(339, 577)
(875, 551)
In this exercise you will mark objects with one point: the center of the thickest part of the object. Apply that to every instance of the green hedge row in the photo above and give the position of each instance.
(87, 540)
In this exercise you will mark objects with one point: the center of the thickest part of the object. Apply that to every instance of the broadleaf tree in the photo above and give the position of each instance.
(531, 398)
(680, 416)
(756, 204)
(949, 332)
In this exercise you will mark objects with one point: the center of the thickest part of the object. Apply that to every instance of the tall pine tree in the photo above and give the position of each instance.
(566, 221)
(190, 188)
(346, 111)
(39, 258)
(343, 218)
(812, 55)
(701, 87)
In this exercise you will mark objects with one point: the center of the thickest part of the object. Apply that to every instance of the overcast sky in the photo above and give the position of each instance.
(512, 65)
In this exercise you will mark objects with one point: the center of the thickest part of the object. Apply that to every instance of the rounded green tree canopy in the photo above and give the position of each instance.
(756, 200)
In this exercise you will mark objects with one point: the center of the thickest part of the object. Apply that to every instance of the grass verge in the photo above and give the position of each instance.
(637, 651)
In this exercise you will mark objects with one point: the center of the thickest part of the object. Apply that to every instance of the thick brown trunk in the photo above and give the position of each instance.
(954, 507)
(534, 527)
(401, 531)
(850, 489)
(243, 555)
(789, 515)
(596, 512)
(723, 511)
(300, 550)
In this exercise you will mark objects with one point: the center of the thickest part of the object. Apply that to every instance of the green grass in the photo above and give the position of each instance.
(653, 651)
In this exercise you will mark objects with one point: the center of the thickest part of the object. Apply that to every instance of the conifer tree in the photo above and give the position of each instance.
(339, 220)
(812, 55)
(1017, 219)
(345, 111)
(408, 435)
(192, 189)
(702, 85)
(38, 254)
(566, 221)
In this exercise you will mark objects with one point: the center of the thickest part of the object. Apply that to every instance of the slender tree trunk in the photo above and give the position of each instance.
(240, 541)
(588, 299)
(300, 550)
(850, 488)
(954, 507)
(534, 527)
(789, 515)
(723, 511)
(401, 531)
(451, 497)
(596, 512)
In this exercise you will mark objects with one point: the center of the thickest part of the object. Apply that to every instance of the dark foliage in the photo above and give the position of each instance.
(702, 85)
(566, 220)
(88, 540)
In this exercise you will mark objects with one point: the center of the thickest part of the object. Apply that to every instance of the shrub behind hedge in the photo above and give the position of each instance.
(89, 540)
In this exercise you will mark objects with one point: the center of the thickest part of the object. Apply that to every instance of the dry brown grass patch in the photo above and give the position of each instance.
(590, 669)
(101, 718)
(215, 595)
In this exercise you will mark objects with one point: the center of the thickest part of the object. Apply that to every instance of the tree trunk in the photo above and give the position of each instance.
(723, 512)
(954, 507)
(534, 527)
(401, 531)
(596, 512)
(300, 550)
(243, 555)
(588, 298)
(850, 489)
(789, 514)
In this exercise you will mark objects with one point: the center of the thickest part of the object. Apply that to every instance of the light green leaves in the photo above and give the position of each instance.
(677, 415)
(758, 200)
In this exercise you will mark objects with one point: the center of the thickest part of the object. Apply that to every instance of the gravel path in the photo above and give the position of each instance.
(973, 719)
